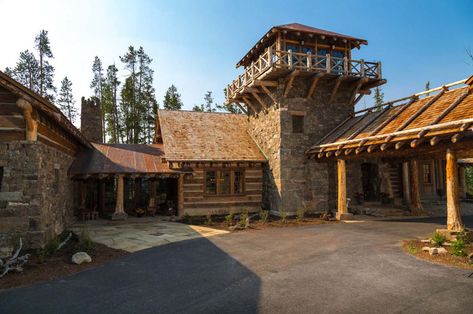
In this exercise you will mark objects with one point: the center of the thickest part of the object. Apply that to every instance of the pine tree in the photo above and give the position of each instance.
(66, 100)
(110, 105)
(46, 70)
(26, 71)
(209, 102)
(172, 99)
(198, 108)
(232, 108)
(378, 98)
(427, 87)
(97, 86)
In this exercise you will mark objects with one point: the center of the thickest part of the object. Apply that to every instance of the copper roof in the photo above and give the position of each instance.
(43, 105)
(442, 113)
(296, 27)
(204, 136)
(121, 158)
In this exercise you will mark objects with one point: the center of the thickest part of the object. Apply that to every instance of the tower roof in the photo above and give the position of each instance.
(296, 28)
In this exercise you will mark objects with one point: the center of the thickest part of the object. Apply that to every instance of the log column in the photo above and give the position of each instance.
(416, 208)
(152, 197)
(180, 195)
(342, 211)
(454, 221)
(406, 188)
(119, 213)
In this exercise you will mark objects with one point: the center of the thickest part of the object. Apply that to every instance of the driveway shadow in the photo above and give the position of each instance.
(441, 221)
(192, 276)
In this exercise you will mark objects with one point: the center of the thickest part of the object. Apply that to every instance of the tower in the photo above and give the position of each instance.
(91, 120)
(299, 83)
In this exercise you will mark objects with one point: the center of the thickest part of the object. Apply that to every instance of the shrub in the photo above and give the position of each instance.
(283, 215)
(300, 214)
(208, 219)
(187, 219)
(458, 247)
(85, 242)
(51, 246)
(243, 218)
(411, 248)
(264, 215)
(438, 239)
(229, 219)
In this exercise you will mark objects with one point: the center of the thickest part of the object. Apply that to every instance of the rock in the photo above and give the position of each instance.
(441, 250)
(470, 257)
(426, 249)
(447, 244)
(81, 257)
(425, 241)
(433, 251)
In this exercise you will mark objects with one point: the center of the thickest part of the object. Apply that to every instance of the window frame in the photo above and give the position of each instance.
(218, 181)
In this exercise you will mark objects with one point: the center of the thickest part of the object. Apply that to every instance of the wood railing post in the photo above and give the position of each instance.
(289, 59)
(309, 61)
(252, 70)
(270, 56)
(328, 63)
(380, 75)
(362, 67)
(345, 65)
(454, 221)
(342, 210)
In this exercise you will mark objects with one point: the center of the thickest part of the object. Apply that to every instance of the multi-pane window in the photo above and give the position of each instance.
(224, 182)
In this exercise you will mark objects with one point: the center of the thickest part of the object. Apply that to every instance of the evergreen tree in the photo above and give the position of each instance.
(427, 87)
(46, 70)
(378, 98)
(97, 86)
(198, 108)
(232, 108)
(26, 71)
(209, 102)
(110, 105)
(66, 100)
(172, 99)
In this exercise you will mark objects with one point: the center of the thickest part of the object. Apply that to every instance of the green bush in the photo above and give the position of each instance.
(208, 219)
(229, 219)
(438, 239)
(85, 242)
(51, 246)
(458, 247)
(243, 217)
(264, 215)
(283, 215)
(187, 219)
(300, 214)
(411, 248)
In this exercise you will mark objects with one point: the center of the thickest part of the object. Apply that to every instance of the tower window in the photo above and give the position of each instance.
(297, 124)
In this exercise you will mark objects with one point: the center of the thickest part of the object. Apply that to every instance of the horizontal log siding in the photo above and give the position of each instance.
(196, 202)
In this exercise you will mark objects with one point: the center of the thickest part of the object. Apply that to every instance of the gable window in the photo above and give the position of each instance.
(224, 182)
(297, 124)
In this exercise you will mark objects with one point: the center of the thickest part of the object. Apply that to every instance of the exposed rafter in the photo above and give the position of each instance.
(290, 81)
(335, 88)
(269, 93)
(260, 101)
(249, 104)
(313, 85)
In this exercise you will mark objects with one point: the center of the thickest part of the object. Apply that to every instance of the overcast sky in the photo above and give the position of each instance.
(195, 44)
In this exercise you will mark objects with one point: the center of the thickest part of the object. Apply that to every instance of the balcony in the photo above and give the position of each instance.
(276, 63)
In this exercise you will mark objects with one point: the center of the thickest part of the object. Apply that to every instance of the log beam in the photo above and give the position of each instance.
(342, 210)
(416, 208)
(31, 119)
(406, 189)
(269, 93)
(290, 82)
(335, 88)
(454, 221)
(313, 85)
(260, 101)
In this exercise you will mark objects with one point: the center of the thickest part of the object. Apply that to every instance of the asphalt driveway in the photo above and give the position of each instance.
(345, 268)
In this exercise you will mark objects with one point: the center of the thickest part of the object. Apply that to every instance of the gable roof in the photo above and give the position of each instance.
(43, 105)
(121, 158)
(295, 27)
(416, 120)
(205, 136)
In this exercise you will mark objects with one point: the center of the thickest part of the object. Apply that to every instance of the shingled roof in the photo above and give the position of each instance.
(204, 136)
(122, 159)
(441, 114)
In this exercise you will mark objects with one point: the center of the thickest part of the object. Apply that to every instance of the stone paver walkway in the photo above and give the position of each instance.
(137, 234)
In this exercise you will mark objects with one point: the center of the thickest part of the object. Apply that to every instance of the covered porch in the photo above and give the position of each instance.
(118, 180)
(431, 125)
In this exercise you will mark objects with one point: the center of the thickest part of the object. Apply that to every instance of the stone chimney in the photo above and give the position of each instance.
(91, 119)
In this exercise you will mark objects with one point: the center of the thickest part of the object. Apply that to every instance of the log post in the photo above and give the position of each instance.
(152, 197)
(406, 189)
(101, 195)
(83, 194)
(31, 120)
(342, 210)
(119, 213)
(416, 208)
(454, 221)
(180, 195)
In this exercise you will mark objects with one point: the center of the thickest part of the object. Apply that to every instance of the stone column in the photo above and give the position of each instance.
(119, 213)
(454, 221)
(406, 188)
(342, 212)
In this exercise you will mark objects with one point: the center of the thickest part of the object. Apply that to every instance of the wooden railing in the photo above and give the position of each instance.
(278, 59)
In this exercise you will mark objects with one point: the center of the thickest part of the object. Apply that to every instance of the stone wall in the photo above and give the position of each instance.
(36, 196)
(292, 181)
(91, 120)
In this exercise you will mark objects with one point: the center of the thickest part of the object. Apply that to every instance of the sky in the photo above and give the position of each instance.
(196, 44)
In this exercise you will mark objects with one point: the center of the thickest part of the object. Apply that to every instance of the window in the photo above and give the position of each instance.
(297, 124)
(210, 182)
(224, 182)
(427, 173)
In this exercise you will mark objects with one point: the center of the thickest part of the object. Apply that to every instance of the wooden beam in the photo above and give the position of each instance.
(290, 81)
(119, 213)
(266, 83)
(342, 210)
(313, 85)
(249, 104)
(31, 119)
(415, 189)
(457, 137)
(434, 140)
(260, 101)
(180, 196)
(357, 89)
(268, 92)
(335, 88)
(242, 108)
(454, 221)
(406, 184)
(357, 99)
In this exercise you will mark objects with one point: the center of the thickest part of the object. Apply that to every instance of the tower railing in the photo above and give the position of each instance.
(273, 59)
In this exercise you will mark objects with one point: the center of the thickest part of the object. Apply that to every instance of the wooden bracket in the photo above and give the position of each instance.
(313, 85)
(31, 119)
(290, 81)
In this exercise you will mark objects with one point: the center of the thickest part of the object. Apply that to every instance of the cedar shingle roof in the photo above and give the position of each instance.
(444, 114)
(204, 136)
(121, 158)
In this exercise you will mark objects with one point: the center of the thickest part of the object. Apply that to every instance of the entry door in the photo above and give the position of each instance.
(370, 181)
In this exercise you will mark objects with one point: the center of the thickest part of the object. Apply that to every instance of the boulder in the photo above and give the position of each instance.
(426, 249)
(81, 257)
(441, 250)
(433, 251)
(470, 257)
(426, 241)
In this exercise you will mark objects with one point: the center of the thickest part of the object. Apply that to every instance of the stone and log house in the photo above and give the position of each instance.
(299, 144)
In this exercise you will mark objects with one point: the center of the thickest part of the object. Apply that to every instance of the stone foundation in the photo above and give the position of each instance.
(36, 195)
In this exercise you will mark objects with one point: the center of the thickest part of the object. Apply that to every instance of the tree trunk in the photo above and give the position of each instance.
(454, 221)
